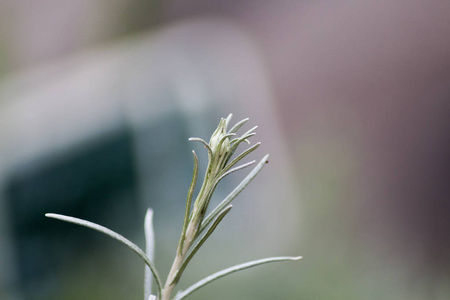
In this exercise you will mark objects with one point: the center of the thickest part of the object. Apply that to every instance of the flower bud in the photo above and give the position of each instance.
(217, 136)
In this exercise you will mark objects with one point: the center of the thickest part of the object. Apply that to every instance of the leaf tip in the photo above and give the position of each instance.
(149, 215)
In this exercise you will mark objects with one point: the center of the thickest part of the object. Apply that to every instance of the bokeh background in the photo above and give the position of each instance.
(352, 99)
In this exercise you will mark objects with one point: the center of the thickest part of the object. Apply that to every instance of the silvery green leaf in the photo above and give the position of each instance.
(237, 141)
(225, 202)
(188, 204)
(195, 139)
(216, 222)
(227, 120)
(209, 279)
(115, 236)
(149, 251)
(228, 172)
(239, 157)
(238, 125)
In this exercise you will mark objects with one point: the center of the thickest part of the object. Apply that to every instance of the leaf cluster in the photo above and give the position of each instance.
(197, 226)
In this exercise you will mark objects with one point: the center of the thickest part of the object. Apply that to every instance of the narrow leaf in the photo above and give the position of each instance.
(239, 157)
(195, 139)
(227, 120)
(209, 279)
(188, 204)
(235, 169)
(115, 236)
(149, 251)
(251, 130)
(225, 202)
(211, 229)
(238, 125)
(226, 136)
(236, 142)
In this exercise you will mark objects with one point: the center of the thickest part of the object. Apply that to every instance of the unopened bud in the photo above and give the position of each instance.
(217, 136)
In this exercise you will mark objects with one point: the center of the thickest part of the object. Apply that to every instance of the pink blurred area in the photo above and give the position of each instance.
(358, 93)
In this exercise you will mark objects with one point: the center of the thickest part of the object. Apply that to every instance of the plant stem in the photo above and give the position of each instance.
(178, 262)
(168, 287)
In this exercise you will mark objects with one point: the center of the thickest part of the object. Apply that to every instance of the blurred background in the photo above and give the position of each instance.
(352, 99)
